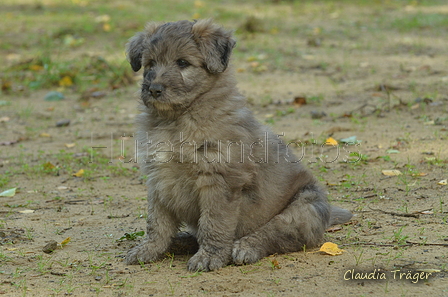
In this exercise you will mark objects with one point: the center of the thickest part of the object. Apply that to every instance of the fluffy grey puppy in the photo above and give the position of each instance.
(210, 164)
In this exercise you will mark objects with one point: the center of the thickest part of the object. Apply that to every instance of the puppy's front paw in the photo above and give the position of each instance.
(143, 253)
(245, 253)
(204, 261)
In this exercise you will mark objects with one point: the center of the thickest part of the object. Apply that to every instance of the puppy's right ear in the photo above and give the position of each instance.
(136, 45)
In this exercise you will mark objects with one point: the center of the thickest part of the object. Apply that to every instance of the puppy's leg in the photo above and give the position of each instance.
(161, 227)
(301, 223)
(216, 227)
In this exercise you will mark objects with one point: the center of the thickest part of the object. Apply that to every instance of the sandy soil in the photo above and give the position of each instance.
(392, 95)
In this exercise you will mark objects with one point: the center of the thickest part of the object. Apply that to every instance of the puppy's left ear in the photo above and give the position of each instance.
(136, 45)
(215, 44)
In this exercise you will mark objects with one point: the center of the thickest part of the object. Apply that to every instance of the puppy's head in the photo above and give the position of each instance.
(181, 60)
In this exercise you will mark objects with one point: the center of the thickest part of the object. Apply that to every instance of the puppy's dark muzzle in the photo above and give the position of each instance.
(156, 90)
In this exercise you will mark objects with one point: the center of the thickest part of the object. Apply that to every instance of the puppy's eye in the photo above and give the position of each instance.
(151, 63)
(182, 63)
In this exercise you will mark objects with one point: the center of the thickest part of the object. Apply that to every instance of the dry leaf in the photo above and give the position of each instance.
(392, 172)
(65, 241)
(48, 166)
(334, 229)
(8, 193)
(443, 182)
(45, 135)
(106, 27)
(4, 119)
(70, 145)
(275, 264)
(36, 67)
(80, 173)
(428, 212)
(27, 211)
(420, 174)
(66, 81)
(331, 141)
(299, 100)
(331, 249)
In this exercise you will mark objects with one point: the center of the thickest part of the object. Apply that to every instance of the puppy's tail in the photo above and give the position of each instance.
(339, 215)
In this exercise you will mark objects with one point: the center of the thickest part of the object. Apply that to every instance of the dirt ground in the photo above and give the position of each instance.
(344, 74)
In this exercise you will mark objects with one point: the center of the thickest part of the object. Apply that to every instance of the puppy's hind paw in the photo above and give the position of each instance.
(140, 254)
(244, 253)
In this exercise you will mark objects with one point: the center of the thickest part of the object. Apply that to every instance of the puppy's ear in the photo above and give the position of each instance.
(136, 45)
(215, 44)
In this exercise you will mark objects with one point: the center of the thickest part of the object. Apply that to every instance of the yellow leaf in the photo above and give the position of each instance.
(198, 4)
(48, 166)
(443, 182)
(66, 81)
(331, 141)
(36, 67)
(331, 249)
(65, 241)
(45, 135)
(70, 145)
(80, 173)
(106, 27)
(392, 172)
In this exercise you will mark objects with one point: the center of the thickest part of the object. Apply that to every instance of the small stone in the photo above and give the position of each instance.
(62, 123)
(50, 247)
(98, 278)
(54, 96)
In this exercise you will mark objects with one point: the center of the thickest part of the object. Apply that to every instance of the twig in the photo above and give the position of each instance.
(408, 215)
(117, 217)
(425, 243)
(375, 244)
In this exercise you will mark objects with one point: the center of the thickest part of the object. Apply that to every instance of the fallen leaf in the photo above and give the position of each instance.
(392, 151)
(420, 174)
(27, 211)
(8, 193)
(66, 81)
(334, 229)
(426, 212)
(331, 141)
(4, 119)
(70, 145)
(443, 182)
(351, 139)
(36, 67)
(106, 27)
(330, 248)
(392, 172)
(65, 241)
(44, 135)
(275, 264)
(48, 166)
(80, 173)
(428, 270)
(299, 100)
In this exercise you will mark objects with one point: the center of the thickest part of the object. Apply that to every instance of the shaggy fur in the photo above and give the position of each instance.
(210, 164)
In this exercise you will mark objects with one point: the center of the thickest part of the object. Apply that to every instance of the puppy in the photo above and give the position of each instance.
(210, 165)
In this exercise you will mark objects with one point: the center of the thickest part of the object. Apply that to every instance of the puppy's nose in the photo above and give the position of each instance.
(156, 90)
